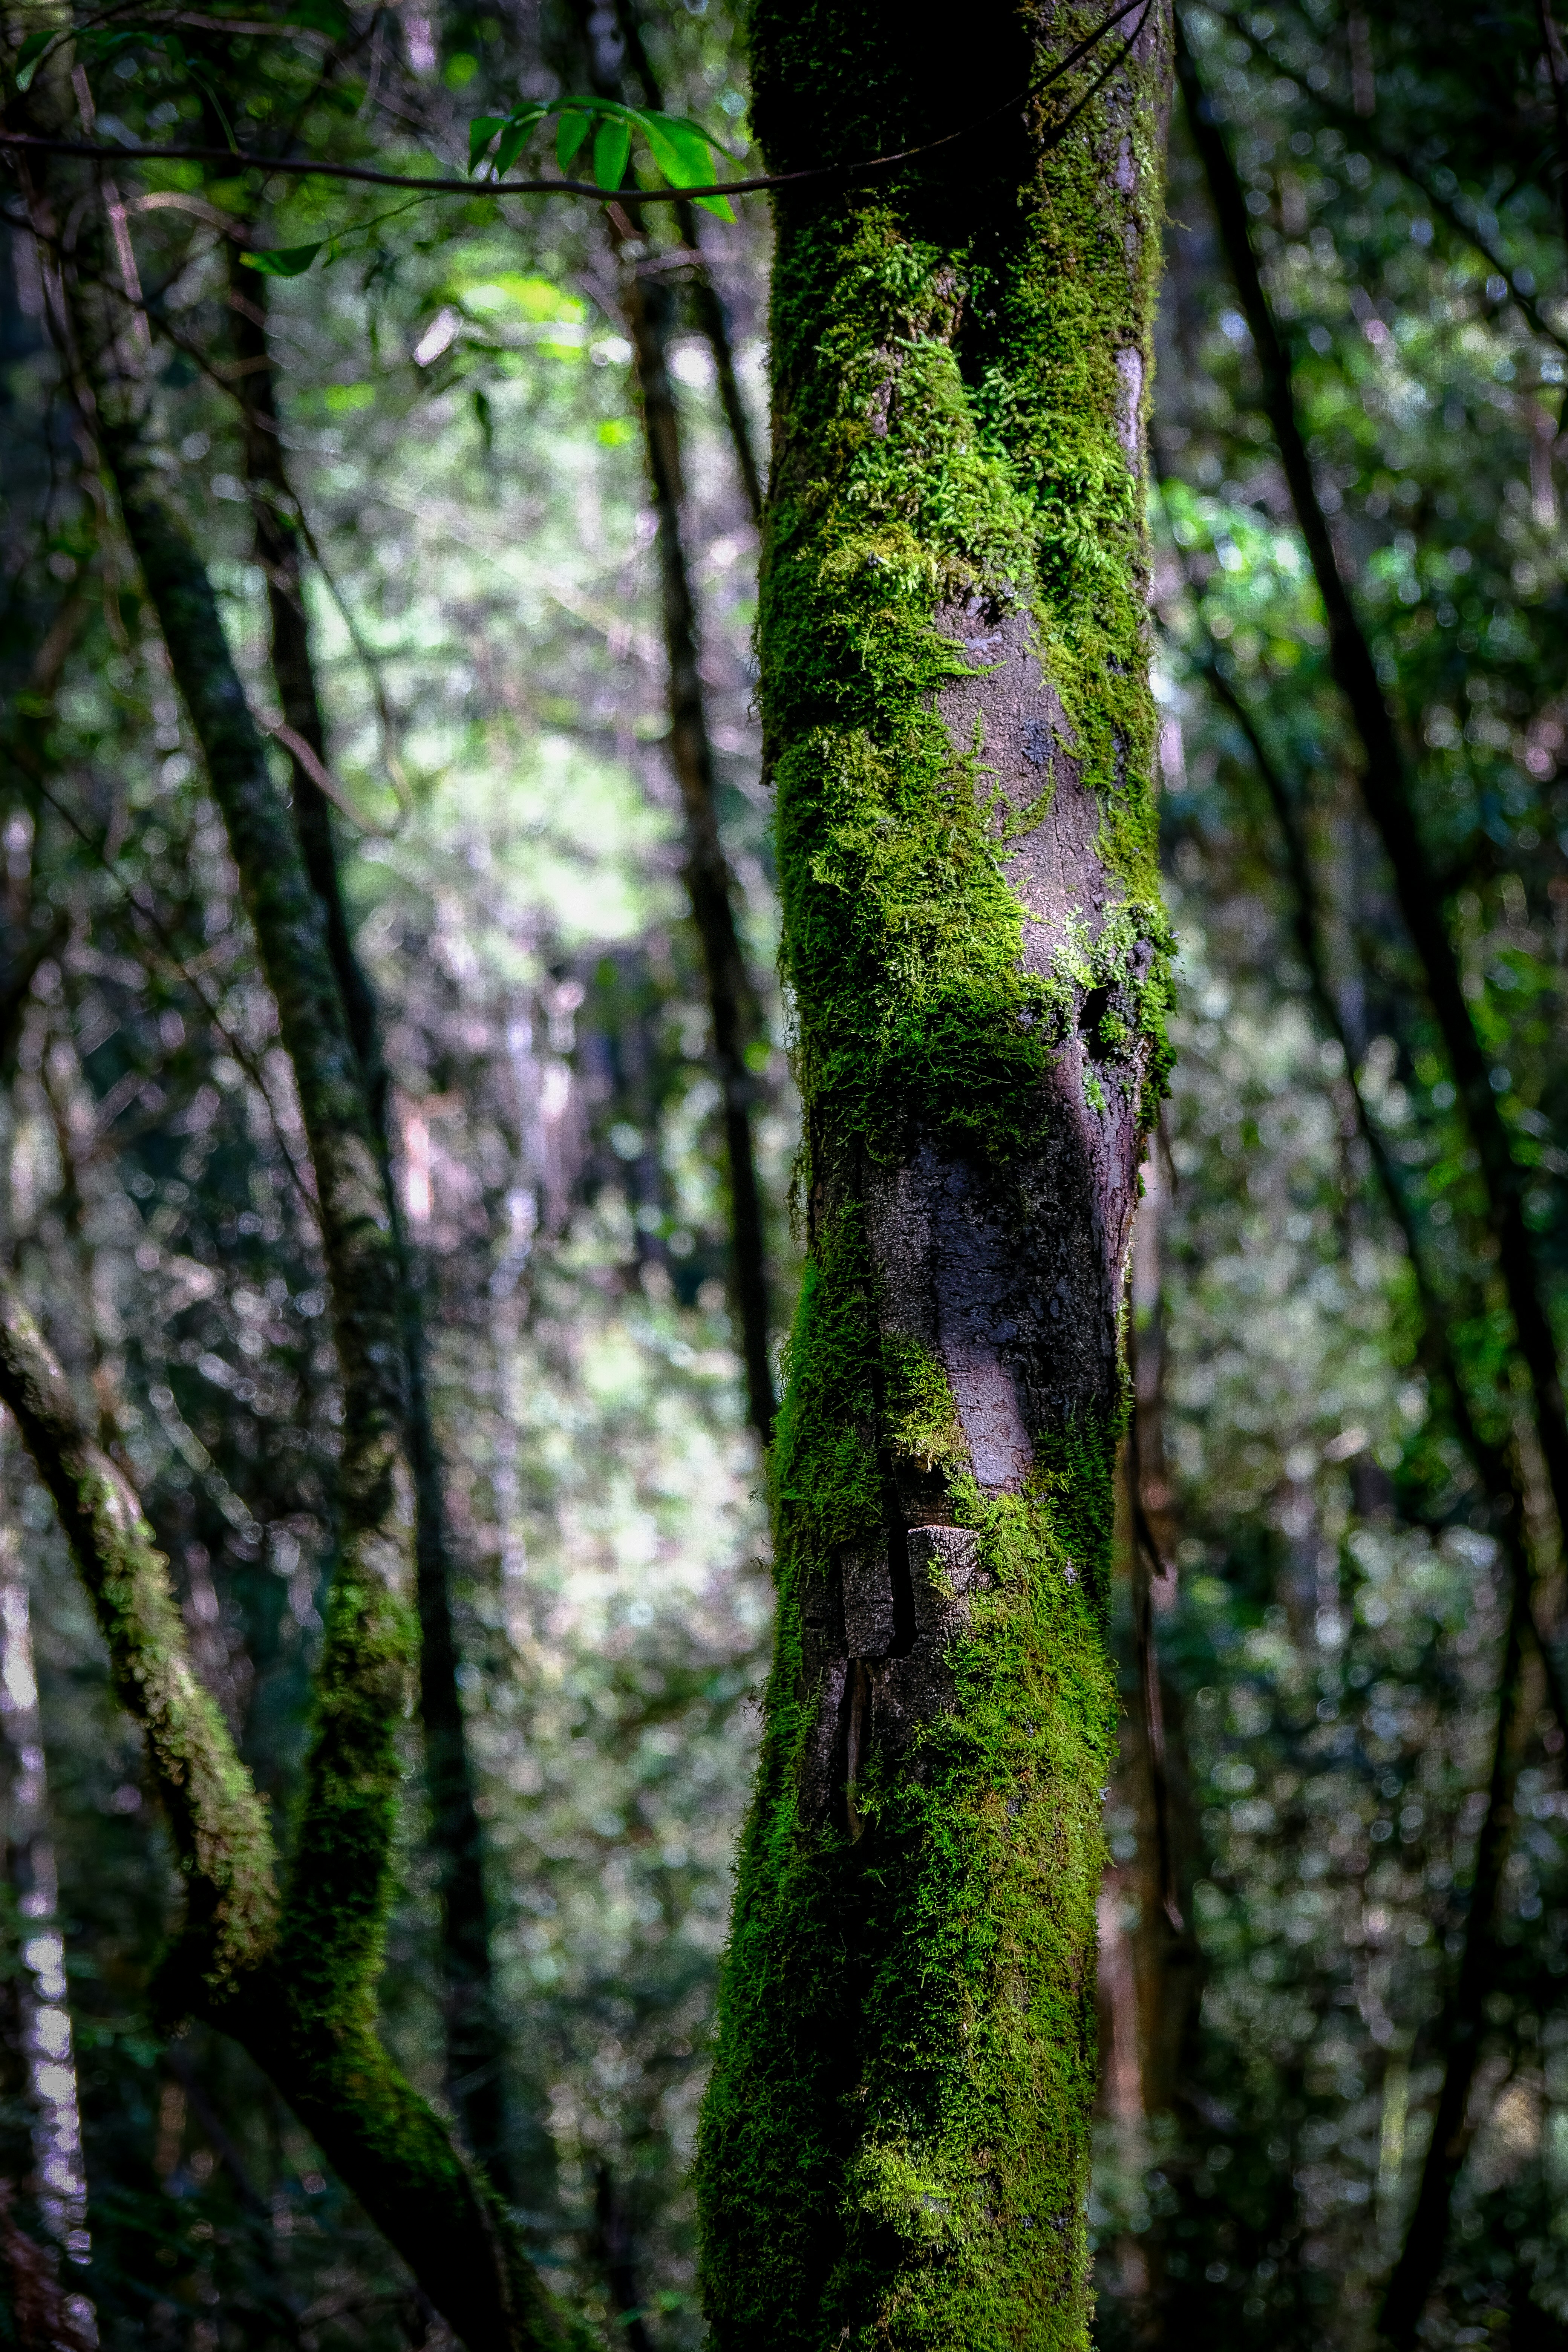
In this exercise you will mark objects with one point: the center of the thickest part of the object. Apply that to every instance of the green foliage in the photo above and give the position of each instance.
(683, 151)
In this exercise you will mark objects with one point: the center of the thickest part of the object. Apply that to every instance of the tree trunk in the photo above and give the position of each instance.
(647, 305)
(476, 2051)
(737, 1021)
(1420, 2259)
(1385, 787)
(1456, 2035)
(272, 1975)
(706, 301)
(895, 2145)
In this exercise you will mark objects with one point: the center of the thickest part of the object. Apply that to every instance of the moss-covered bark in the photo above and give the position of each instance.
(221, 1834)
(475, 2044)
(895, 2143)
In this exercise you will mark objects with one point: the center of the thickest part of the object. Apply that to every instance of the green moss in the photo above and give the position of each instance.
(947, 463)
(895, 2131)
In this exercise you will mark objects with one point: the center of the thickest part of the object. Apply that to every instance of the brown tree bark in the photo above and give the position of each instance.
(647, 303)
(707, 301)
(736, 1016)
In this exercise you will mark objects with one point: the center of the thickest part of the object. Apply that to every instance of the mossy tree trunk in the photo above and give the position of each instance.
(293, 1975)
(954, 648)
(476, 2044)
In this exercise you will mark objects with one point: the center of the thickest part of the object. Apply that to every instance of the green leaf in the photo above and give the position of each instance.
(284, 261)
(685, 155)
(482, 131)
(30, 54)
(611, 148)
(679, 150)
(515, 138)
(570, 133)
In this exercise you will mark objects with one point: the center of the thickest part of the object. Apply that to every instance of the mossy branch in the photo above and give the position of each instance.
(354, 1770)
(220, 1828)
(475, 2044)
(316, 2038)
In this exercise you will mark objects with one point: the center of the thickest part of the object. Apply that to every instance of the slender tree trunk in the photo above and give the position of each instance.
(1457, 2033)
(647, 305)
(36, 2043)
(1556, 60)
(1385, 785)
(895, 2143)
(707, 301)
(1495, 1470)
(476, 2051)
(1421, 2258)
(737, 1019)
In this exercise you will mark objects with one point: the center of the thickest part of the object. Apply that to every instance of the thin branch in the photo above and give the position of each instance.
(299, 167)
(150, 918)
(1387, 790)
(1357, 127)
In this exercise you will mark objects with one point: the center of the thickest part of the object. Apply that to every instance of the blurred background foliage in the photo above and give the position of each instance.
(1310, 1558)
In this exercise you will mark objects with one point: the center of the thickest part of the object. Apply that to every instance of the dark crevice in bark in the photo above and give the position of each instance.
(475, 2044)
(1385, 785)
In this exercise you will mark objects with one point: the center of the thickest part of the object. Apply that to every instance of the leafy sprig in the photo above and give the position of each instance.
(683, 151)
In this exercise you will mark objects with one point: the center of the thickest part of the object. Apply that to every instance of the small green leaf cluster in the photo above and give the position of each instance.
(683, 151)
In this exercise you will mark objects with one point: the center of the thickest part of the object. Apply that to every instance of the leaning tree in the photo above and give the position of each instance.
(959, 728)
